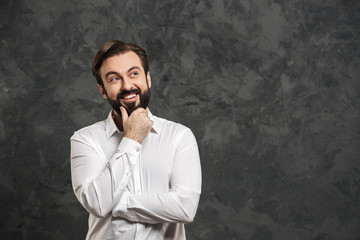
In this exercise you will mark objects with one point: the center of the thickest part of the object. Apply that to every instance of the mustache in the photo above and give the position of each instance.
(125, 92)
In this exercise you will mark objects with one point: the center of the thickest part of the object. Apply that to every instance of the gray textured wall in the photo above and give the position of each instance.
(270, 89)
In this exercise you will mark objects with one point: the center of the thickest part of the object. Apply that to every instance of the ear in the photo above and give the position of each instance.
(148, 79)
(102, 91)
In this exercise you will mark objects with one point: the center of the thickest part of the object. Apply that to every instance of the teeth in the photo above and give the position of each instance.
(130, 96)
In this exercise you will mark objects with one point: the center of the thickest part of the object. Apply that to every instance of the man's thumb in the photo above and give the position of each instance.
(124, 114)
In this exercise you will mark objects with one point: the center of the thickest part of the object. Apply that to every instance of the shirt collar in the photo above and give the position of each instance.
(156, 126)
(111, 128)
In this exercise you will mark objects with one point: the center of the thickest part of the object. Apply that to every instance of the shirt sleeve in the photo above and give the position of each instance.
(99, 184)
(180, 203)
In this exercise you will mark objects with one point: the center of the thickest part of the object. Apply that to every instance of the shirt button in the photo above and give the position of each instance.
(138, 191)
(137, 149)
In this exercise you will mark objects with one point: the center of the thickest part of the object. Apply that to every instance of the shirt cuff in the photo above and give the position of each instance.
(128, 146)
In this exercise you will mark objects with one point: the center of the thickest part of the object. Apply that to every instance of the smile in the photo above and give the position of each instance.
(130, 96)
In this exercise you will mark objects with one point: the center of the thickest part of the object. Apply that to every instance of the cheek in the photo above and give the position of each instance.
(112, 92)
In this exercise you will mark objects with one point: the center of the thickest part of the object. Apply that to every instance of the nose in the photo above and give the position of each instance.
(126, 84)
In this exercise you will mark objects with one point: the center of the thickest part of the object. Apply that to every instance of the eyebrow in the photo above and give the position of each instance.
(116, 73)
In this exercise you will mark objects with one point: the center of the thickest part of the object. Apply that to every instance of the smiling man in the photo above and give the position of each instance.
(137, 175)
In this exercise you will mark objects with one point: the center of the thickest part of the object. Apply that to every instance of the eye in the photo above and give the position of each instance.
(113, 79)
(134, 74)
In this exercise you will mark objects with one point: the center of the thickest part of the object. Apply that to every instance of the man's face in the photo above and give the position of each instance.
(125, 82)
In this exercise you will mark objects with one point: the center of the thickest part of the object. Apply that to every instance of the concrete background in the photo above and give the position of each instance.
(270, 88)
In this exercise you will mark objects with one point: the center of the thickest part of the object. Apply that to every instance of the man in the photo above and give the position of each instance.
(137, 175)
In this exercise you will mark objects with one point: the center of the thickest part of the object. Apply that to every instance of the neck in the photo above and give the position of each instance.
(118, 120)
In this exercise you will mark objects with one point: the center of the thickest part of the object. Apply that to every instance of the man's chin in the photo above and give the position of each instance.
(143, 102)
(130, 107)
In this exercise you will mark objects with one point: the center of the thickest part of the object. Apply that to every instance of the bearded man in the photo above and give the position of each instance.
(138, 175)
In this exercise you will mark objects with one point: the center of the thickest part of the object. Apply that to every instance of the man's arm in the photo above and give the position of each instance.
(98, 184)
(177, 205)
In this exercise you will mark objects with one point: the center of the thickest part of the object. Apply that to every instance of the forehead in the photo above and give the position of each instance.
(121, 63)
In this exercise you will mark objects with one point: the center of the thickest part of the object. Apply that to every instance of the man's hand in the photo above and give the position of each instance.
(138, 125)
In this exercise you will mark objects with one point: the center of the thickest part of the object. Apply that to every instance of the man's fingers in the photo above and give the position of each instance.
(140, 109)
(124, 114)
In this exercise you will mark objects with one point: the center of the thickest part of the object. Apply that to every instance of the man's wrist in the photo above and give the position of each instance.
(132, 137)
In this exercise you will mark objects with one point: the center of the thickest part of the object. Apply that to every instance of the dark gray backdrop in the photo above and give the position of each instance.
(269, 88)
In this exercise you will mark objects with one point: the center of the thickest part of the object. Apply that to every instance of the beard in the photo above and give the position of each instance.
(130, 107)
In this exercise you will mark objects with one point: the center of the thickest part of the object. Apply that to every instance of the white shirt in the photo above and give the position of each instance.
(132, 190)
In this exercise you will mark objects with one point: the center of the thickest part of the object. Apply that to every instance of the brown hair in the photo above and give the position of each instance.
(113, 48)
